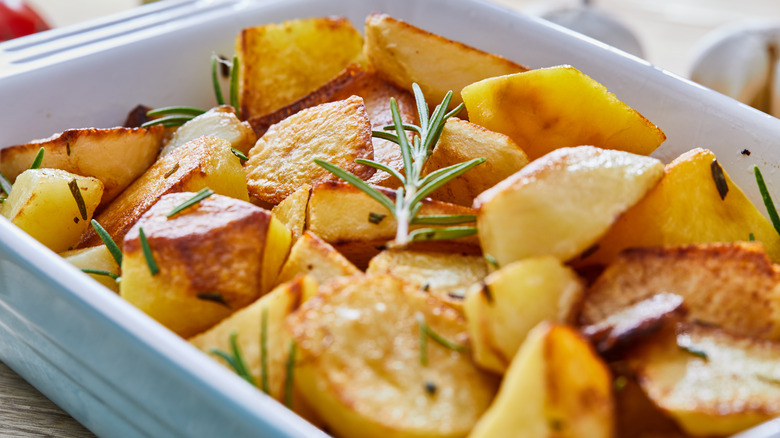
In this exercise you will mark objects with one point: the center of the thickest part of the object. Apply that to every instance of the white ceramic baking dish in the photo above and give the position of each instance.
(123, 375)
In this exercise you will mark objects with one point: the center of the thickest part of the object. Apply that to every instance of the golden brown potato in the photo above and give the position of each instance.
(712, 383)
(562, 203)
(686, 208)
(366, 378)
(282, 160)
(403, 54)
(279, 63)
(550, 108)
(732, 286)
(203, 162)
(53, 206)
(503, 308)
(115, 156)
(556, 386)
(212, 259)
(315, 258)
(98, 258)
(462, 141)
(292, 211)
(637, 416)
(220, 122)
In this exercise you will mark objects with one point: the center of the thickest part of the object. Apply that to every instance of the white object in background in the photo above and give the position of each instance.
(741, 61)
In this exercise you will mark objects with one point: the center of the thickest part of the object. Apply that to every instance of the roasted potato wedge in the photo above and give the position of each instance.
(366, 378)
(292, 211)
(220, 122)
(280, 63)
(212, 259)
(562, 203)
(98, 258)
(404, 54)
(115, 156)
(550, 108)
(203, 162)
(53, 206)
(315, 258)
(556, 386)
(282, 160)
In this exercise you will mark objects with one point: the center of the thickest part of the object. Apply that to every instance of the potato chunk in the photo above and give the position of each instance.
(315, 258)
(733, 286)
(292, 211)
(511, 301)
(562, 203)
(98, 258)
(712, 383)
(361, 367)
(301, 54)
(115, 156)
(556, 386)
(220, 122)
(52, 205)
(203, 162)
(686, 207)
(213, 258)
(282, 160)
(550, 108)
(403, 54)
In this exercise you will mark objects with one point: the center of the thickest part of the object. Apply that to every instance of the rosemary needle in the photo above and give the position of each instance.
(5, 185)
(768, 203)
(116, 253)
(235, 359)
(153, 268)
(36, 164)
(239, 154)
(73, 185)
(201, 195)
(288, 381)
(99, 272)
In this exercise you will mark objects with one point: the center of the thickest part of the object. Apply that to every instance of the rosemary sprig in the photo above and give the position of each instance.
(234, 87)
(215, 80)
(113, 248)
(768, 203)
(426, 332)
(201, 195)
(100, 272)
(288, 380)
(264, 382)
(235, 359)
(36, 164)
(153, 268)
(414, 187)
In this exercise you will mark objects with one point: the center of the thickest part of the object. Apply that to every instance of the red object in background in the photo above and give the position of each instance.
(18, 19)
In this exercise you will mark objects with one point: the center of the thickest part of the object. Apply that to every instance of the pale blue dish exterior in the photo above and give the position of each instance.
(121, 374)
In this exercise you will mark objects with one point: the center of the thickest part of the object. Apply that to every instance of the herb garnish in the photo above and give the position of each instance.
(376, 218)
(414, 188)
(288, 381)
(695, 352)
(751, 237)
(720, 178)
(430, 388)
(215, 297)
(116, 253)
(73, 185)
(153, 269)
(239, 154)
(425, 332)
(201, 195)
(100, 272)
(264, 351)
(491, 261)
(5, 185)
(620, 383)
(768, 379)
(36, 164)
(770, 206)
(171, 171)
(235, 359)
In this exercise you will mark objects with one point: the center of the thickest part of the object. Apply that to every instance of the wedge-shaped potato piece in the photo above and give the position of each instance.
(96, 258)
(551, 108)
(292, 211)
(52, 205)
(461, 141)
(686, 207)
(503, 309)
(732, 286)
(359, 227)
(445, 275)
(556, 386)
(203, 162)
(115, 156)
(220, 122)
(366, 378)
(637, 416)
(213, 258)
(315, 258)
(404, 54)
(247, 324)
(282, 160)
(712, 383)
(300, 54)
(376, 94)
(563, 203)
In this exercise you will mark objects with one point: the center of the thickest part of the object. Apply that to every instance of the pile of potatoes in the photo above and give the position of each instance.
(605, 294)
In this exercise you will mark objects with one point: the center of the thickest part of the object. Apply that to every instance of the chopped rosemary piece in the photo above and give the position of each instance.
(148, 252)
(590, 251)
(67, 148)
(201, 195)
(425, 332)
(620, 383)
(100, 272)
(264, 385)
(770, 206)
(288, 380)
(235, 359)
(172, 110)
(171, 171)
(414, 187)
(116, 253)
(36, 164)
(215, 297)
(430, 388)
(720, 178)
(234, 87)
(423, 341)
(751, 237)
(168, 121)
(485, 291)
(73, 185)
(239, 154)
(5, 185)
(491, 261)
(215, 80)
(768, 379)
(695, 352)
(376, 218)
